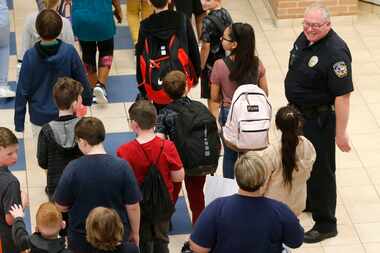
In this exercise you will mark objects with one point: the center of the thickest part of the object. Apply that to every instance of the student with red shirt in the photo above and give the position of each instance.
(140, 154)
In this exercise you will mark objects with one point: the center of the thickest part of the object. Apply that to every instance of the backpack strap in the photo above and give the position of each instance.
(229, 63)
(217, 22)
(162, 143)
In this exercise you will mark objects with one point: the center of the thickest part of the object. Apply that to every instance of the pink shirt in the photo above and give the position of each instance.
(220, 76)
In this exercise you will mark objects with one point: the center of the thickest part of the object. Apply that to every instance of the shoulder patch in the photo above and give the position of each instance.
(340, 69)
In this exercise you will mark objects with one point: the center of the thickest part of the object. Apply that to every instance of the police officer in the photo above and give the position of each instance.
(319, 83)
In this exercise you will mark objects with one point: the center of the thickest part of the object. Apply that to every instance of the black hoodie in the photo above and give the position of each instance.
(163, 25)
(36, 243)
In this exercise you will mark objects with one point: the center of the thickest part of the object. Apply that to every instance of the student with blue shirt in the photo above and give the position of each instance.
(246, 222)
(97, 179)
(42, 65)
(95, 28)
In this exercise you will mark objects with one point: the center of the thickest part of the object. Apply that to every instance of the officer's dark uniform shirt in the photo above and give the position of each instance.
(319, 72)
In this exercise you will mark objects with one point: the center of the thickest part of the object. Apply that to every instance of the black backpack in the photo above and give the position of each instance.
(196, 138)
(159, 57)
(156, 205)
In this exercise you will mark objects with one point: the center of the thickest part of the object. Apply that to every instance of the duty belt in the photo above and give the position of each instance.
(313, 111)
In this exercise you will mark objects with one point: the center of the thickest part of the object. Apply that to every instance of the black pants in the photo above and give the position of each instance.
(189, 7)
(154, 238)
(321, 187)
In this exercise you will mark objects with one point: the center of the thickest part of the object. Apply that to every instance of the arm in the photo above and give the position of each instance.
(118, 13)
(198, 249)
(134, 220)
(62, 208)
(342, 110)
(22, 94)
(42, 150)
(19, 233)
(67, 32)
(205, 50)
(193, 48)
(215, 100)
(139, 47)
(27, 36)
(263, 84)
(177, 176)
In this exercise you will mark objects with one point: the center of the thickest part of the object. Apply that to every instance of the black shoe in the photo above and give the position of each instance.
(314, 236)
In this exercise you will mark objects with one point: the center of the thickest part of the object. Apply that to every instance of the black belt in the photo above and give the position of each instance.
(312, 111)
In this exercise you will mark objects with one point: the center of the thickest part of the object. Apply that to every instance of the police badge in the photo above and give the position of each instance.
(340, 69)
(313, 61)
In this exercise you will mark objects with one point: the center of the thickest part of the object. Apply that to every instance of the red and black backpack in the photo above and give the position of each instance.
(159, 57)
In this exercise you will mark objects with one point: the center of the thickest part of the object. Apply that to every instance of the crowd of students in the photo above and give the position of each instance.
(123, 202)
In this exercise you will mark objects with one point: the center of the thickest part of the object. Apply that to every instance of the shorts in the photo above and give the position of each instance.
(189, 7)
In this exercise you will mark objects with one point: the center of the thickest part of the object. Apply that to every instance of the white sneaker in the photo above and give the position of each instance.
(6, 92)
(100, 94)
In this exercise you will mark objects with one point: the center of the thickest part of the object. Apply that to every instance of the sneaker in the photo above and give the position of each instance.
(100, 94)
(6, 92)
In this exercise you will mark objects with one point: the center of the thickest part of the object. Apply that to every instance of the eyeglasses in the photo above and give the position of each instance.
(313, 25)
(229, 40)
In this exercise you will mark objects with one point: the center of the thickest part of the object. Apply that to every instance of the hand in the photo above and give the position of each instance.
(342, 141)
(17, 211)
(118, 15)
(134, 238)
(24, 199)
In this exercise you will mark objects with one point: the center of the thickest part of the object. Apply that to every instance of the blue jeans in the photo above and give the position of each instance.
(4, 46)
(230, 156)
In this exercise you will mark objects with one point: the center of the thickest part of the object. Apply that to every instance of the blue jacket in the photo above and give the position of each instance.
(38, 76)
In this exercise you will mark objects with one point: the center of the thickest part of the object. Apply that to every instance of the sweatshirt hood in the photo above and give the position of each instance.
(162, 25)
(64, 132)
(42, 245)
(55, 59)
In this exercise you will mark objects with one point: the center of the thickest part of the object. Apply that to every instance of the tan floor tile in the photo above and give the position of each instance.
(358, 195)
(368, 232)
(370, 158)
(346, 235)
(7, 116)
(347, 160)
(355, 248)
(116, 125)
(309, 250)
(364, 213)
(372, 247)
(374, 174)
(352, 177)
(113, 110)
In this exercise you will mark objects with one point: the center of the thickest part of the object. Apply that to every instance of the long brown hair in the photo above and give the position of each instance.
(289, 120)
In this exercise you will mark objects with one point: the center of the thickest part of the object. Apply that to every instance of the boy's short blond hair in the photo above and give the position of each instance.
(250, 172)
(48, 219)
(104, 228)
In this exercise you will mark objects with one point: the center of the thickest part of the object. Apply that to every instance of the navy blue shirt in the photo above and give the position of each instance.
(247, 224)
(38, 75)
(319, 72)
(92, 181)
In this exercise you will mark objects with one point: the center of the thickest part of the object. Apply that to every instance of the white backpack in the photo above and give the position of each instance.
(248, 120)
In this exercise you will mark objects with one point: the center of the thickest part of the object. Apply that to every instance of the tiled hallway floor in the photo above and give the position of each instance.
(358, 172)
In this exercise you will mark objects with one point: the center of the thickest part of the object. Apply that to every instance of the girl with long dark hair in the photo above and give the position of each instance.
(242, 66)
(289, 161)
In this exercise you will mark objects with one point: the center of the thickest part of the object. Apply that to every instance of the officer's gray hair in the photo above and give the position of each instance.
(321, 7)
